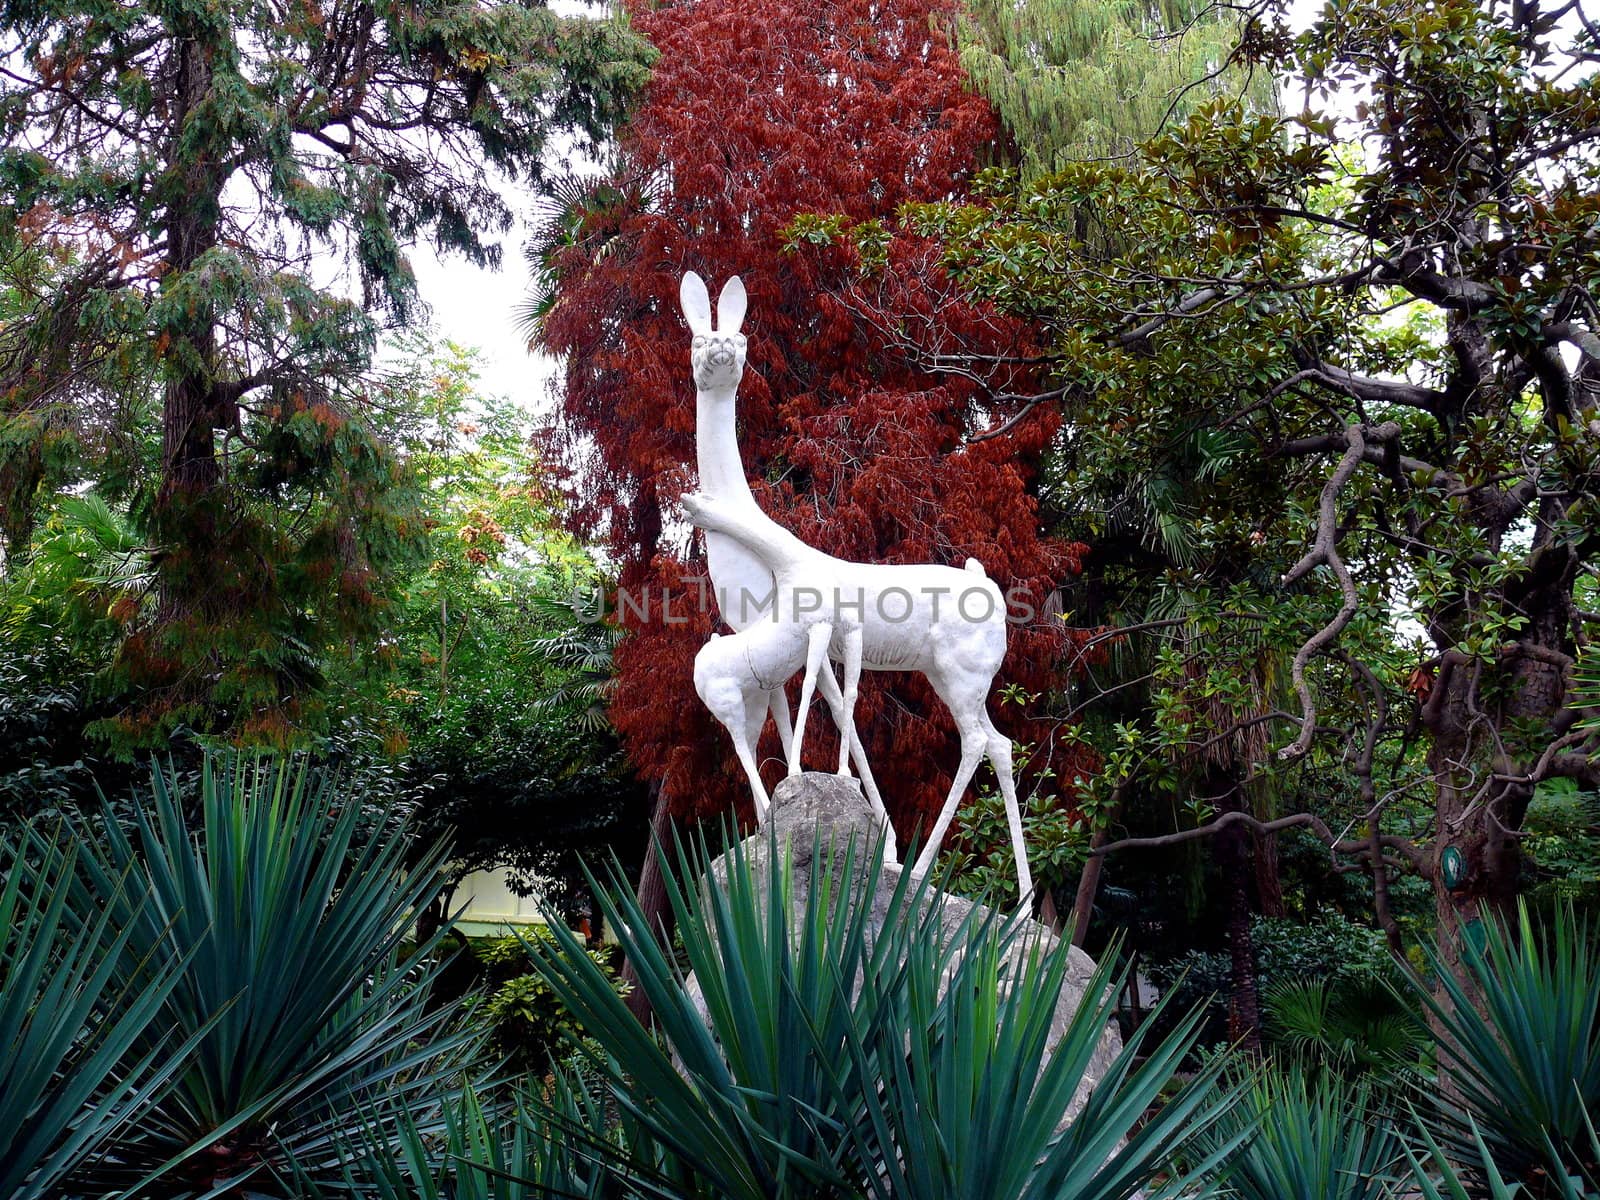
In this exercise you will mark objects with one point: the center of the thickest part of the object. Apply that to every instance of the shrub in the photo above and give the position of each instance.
(1562, 847)
(1331, 948)
(527, 1021)
(1475, 1175)
(1350, 1024)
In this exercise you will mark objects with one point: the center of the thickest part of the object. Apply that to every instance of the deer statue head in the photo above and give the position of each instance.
(716, 355)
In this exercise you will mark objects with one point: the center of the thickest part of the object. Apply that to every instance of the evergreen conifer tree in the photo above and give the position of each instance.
(195, 166)
(1076, 79)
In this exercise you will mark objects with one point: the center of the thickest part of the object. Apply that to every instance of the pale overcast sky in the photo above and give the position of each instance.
(478, 308)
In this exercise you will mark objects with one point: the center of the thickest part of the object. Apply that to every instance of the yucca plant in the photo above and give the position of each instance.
(1309, 1137)
(1527, 1066)
(1439, 1175)
(472, 1148)
(294, 978)
(819, 1057)
(70, 1074)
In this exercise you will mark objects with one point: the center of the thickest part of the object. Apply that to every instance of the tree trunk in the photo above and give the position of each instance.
(1476, 815)
(185, 520)
(1269, 880)
(1089, 881)
(1088, 887)
(1233, 860)
(652, 894)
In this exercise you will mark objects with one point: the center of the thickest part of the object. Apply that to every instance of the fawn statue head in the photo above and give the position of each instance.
(716, 355)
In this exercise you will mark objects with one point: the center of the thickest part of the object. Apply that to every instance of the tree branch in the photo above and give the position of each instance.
(1371, 389)
(1325, 552)
(1447, 291)
(1303, 820)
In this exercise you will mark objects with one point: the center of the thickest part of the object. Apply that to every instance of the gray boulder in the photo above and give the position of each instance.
(816, 811)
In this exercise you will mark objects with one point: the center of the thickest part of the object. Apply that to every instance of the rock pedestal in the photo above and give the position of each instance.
(817, 812)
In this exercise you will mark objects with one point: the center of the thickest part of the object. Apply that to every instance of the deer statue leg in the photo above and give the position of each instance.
(852, 684)
(829, 687)
(755, 716)
(966, 695)
(1000, 759)
(778, 702)
(784, 720)
(869, 785)
(850, 741)
(817, 639)
(974, 741)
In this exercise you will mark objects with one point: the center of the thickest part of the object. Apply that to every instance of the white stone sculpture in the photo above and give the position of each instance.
(803, 627)
(737, 690)
(948, 623)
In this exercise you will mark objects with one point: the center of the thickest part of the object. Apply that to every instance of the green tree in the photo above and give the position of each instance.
(197, 161)
(1090, 79)
(1402, 344)
(1075, 79)
(105, 409)
(484, 701)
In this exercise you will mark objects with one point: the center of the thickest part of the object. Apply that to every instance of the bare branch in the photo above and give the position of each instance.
(1371, 389)
(1191, 302)
(1447, 291)
(1325, 552)
(1303, 820)
(1017, 417)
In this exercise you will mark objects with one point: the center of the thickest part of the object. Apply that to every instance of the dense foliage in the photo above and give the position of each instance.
(1279, 405)
(1084, 79)
(1323, 393)
(147, 1041)
(816, 1056)
(200, 1003)
(180, 169)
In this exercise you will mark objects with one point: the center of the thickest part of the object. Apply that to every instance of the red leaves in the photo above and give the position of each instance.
(755, 114)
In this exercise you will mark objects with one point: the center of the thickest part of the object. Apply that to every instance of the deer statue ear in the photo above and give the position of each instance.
(696, 303)
(731, 305)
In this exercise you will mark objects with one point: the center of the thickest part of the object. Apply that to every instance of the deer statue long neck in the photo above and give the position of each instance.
(735, 569)
(717, 358)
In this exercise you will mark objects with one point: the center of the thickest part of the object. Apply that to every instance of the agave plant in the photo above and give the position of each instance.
(1527, 1065)
(1310, 1137)
(293, 982)
(505, 1148)
(1436, 1175)
(70, 1077)
(817, 1057)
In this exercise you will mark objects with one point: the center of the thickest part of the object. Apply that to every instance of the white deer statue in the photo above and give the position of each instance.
(946, 622)
(740, 678)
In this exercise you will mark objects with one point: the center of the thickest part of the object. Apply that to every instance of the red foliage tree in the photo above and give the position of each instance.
(756, 113)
